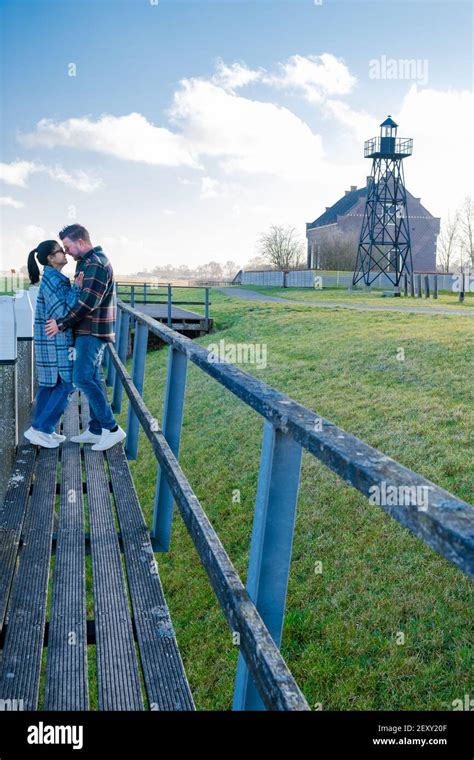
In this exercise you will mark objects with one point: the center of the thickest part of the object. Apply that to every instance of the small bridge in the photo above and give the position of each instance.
(67, 502)
(168, 310)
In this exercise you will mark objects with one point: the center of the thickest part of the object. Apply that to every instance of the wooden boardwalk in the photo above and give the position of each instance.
(52, 494)
(181, 319)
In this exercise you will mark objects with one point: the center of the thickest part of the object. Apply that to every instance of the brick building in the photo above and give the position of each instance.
(346, 215)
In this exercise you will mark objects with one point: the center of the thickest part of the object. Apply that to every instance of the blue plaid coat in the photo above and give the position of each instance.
(56, 297)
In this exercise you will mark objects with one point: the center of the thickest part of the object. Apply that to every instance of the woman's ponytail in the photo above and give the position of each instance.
(33, 270)
(42, 251)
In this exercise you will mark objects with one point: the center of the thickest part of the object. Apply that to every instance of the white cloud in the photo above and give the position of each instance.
(234, 76)
(7, 200)
(131, 137)
(78, 179)
(314, 76)
(247, 136)
(18, 173)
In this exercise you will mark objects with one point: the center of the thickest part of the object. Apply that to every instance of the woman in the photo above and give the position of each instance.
(53, 356)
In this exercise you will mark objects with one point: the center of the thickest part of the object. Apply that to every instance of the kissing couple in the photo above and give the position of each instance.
(73, 323)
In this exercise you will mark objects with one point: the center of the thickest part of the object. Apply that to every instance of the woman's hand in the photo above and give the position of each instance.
(79, 279)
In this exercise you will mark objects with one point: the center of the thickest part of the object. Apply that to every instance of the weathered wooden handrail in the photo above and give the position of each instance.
(439, 518)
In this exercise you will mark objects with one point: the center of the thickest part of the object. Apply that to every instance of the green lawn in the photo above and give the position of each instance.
(374, 297)
(341, 627)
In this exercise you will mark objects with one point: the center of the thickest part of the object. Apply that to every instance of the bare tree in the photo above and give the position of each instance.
(466, 232)
(448, 240)
(335, 249)
(280, 247)
(230, 269)
(256, 264)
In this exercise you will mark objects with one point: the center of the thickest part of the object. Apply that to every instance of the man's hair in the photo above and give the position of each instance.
(75, 232)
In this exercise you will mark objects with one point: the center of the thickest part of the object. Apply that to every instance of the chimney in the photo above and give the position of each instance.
(347, 192)
(369, 180)
(353, 187)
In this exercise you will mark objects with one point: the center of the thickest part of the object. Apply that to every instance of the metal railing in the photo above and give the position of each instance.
(397, 146)
(439, 518)
(144, 293)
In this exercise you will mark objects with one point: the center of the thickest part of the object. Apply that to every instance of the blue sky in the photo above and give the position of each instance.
(189, 127)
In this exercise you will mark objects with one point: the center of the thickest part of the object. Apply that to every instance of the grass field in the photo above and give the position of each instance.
(342, 626)
(375, 297)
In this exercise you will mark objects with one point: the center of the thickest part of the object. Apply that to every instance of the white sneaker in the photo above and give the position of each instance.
(37, 438)
(109, 439)
(57, 437)
(86, 437)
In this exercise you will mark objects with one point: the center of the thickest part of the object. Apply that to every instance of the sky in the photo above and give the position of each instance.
(178, 131)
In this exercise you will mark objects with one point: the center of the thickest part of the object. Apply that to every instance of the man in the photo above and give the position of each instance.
(93, 322)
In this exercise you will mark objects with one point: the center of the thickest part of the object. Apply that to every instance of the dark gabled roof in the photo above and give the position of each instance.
(389, 122)
(341, 207)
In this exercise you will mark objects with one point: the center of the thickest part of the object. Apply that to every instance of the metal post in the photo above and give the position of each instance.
(8, 391)
(270, 549)
(122, 352)
(418, 285)
(461, 290)
(132, 296)
(405, 285)
(144, 291)
(169, 306)
(435, 286)
(412, 285)
(24, 335)
(172, 419)
(427, 285)
(206, 309)
(111, 366)
(138, 377)
(33, 296)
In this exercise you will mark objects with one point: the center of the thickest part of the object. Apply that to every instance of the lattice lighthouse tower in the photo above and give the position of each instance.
(384, 244)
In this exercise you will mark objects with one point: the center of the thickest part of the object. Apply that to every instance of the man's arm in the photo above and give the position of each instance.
(93, 289)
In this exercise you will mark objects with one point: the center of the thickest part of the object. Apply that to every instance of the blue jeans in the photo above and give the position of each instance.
(50, 404)
(89, 351)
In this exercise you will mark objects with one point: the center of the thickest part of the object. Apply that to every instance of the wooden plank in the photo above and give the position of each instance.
(12, 514)
(66, 671)
(165, 677)
(117, 668)
(21, 662)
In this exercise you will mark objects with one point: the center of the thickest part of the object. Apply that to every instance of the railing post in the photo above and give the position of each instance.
(122, 352)
(412, 285)
(138, 377)
(435, 286)
(172, 419)
(8, 391)
(144, 291)
(418, 286)
(271, 546)
(132, 296)
(206, 308)
(427, 285)
(405, 285)
(169, 306)
(24, 335)
(33, 296)
(110, 381)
